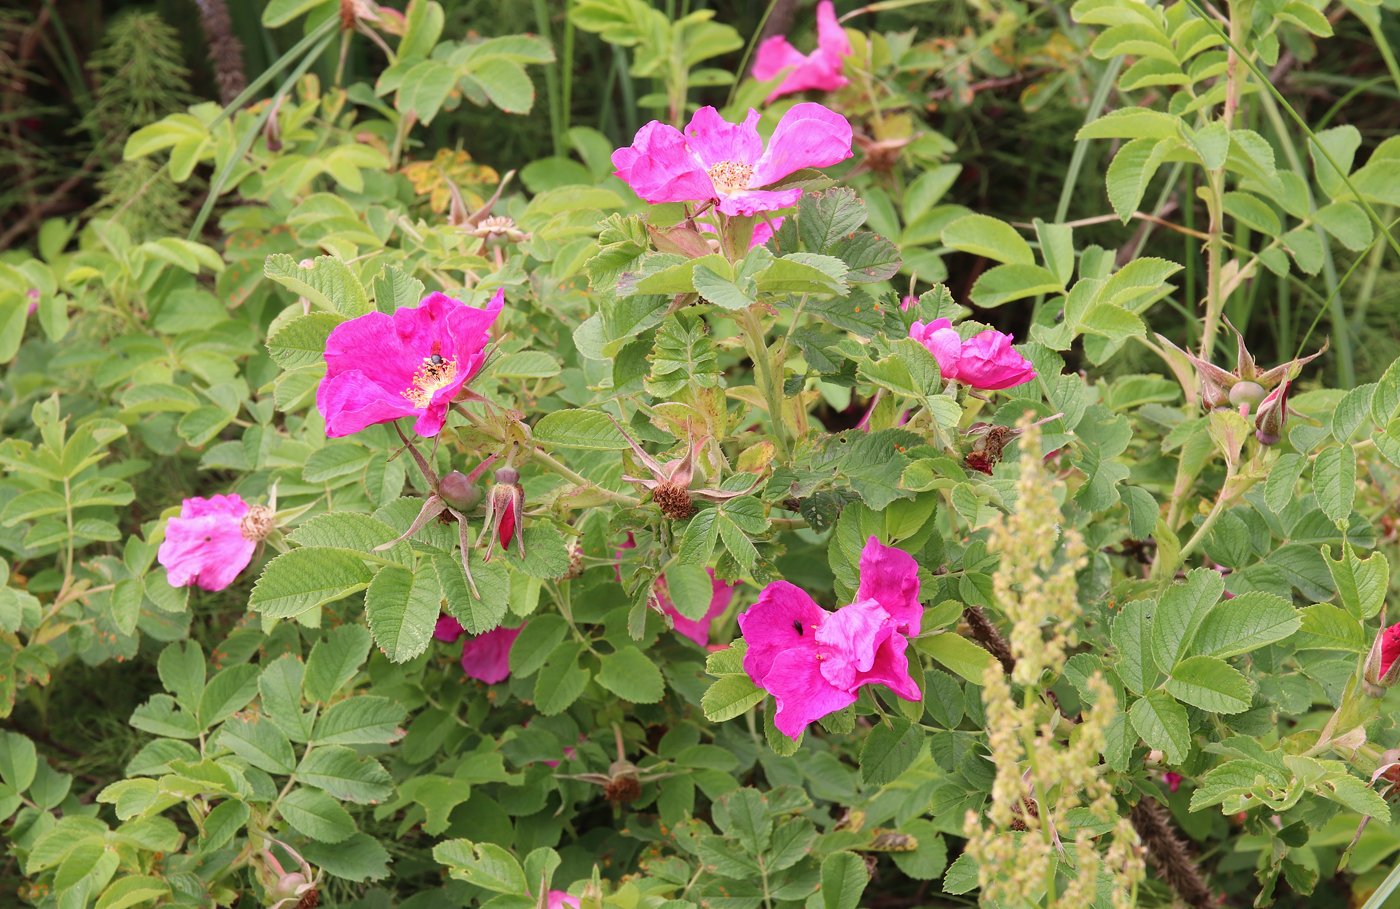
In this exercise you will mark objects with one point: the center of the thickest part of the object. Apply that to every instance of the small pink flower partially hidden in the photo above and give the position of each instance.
(414, 363)
(1172, 780)
(726, 163)
(697, 630)
(813, 662)
(34, 296)
(820, 70)
(212, 540)
(986, 361)
(558, 899)
(485, 657)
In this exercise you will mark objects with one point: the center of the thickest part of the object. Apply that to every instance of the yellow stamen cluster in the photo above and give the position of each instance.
(731, 176)
(434, 373)
(1046, 765)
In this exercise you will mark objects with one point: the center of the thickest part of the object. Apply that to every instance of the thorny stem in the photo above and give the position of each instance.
(1221, 502)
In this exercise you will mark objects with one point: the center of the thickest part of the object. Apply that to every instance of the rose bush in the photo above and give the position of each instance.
(661, 522)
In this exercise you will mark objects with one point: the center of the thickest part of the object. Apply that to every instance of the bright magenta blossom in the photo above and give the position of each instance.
(381, 367)
(820, 70)
(715, 160)
(211, 541)
(558, 899)
(1390, 647)
(485, 657)
(986, 360)
(813, 662)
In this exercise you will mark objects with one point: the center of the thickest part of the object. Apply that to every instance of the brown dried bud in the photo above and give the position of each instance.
(257, 523)
(674, 501)
(623, 784)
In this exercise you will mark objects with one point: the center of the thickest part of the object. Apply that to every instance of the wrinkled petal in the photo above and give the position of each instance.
(942, 340)
(891, 669)
(808, 135)
(987, 361)
(753, 201)
(802, 693)
(890, 577)
(784, 618)
(848, 641)
(486, 657)
(351, 401)
(205, 545)
(714, 139)
(448, 629)
(377, 346)
(818, 71)
(660, 167)
(831, 37)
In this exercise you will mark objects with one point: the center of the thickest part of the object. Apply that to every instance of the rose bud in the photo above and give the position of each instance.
(458, 491)
(503, 511)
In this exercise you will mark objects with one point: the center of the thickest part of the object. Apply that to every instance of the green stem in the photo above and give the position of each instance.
(770, 380)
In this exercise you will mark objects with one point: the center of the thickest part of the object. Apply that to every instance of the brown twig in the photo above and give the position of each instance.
(986, 634)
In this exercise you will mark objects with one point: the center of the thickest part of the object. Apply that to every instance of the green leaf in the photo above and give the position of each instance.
(744, 816)
(1162, 723)
(359, 858)
(363, 720)
(227, 693)
(315, 814)
(1282, 483)
(279, 12)
(484, 865)
(306, 578)
(327, 282)
(506, 83)
(131, 891)
(1334, 482)
(1361, 583)
(992, 239)
(586, 429)
(1180, 612)
(729, 697)
(1004, 283)
(302, 341)
(1244, 623)
(346, 775)
(889, 749)
(1128, 175)
(843, 880)
(561, 680)
(825, 217)
(425, 88)
(1327, 627)
(478, 614)
(1132, 638)
(1385, 403)
(334, 661)
(1210, 684)
(258, 742)
(632, 676)
(1131, 123)
(958, 654)
(402, 608)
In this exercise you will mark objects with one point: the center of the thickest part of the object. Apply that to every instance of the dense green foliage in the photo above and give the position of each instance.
(1150, 665)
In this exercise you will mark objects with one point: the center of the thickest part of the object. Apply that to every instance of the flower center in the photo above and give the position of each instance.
(731, 176)
(257, 523)
(433, 374)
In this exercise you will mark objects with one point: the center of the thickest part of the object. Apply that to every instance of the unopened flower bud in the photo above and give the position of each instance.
(503, 511)
(1268, 420)
(1382, 667)
(458, 491)
(1246, 393)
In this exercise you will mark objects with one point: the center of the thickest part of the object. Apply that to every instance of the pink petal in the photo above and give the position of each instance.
(448, 629)
(988, 362)
(1390, 647)
(774, 55)
(808, 135)
(205, 545)
(890, 577)
(941, 340)
(784, 617)
(891, 669)
(660, 167)
(764, 230)
(802, 693)
(754, 201)
(558, 899)
(831, 37)
(715, 139)
(351, 401)
(849, 639)
(486, 657)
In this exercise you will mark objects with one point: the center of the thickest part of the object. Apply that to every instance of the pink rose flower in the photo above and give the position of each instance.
(813, 661)
(485, 657)
(558, 899)
(908, 301)
(212, 541)
(820, 70)
(381, 367)
(697, 630)
(1172, 779)
(715, 160)
(985, 361)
